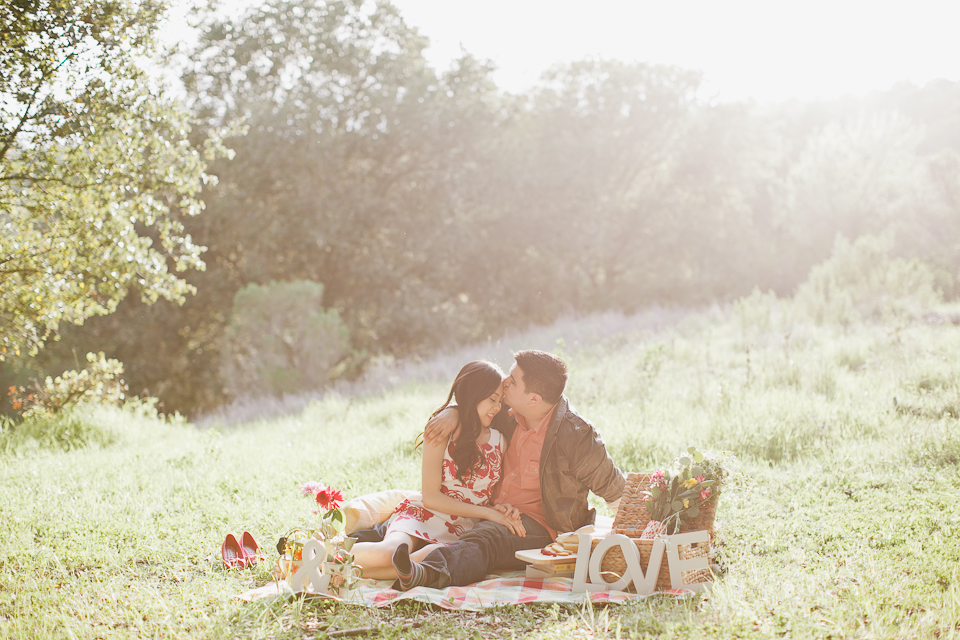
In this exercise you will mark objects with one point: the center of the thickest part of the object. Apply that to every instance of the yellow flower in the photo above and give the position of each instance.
(689, 483)
(686, 504)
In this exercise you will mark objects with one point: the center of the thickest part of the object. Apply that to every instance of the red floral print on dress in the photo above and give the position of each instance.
(476, 488)
(415, 511)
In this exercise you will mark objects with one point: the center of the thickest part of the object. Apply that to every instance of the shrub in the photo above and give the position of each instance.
(281, 340)
(862, 281)
(73, 428)
(98, 383)
(758, 312)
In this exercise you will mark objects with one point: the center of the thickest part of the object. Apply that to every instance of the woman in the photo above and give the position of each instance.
(457, 480)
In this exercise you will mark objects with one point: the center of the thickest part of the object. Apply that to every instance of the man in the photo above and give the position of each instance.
(554, 459)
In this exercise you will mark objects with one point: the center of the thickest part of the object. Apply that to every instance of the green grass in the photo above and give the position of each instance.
(844, 522)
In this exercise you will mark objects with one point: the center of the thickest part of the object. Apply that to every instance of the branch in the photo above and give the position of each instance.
(63, 181)
(23, 120)
(33, 101)
(13, 271)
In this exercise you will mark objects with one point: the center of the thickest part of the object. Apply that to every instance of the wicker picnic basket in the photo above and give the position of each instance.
(632, 518)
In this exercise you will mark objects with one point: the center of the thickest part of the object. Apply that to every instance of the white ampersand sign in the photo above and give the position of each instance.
(314, 555)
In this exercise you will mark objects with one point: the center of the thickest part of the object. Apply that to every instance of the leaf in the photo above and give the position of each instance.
(676, 505)
(693, 512)
(698, 457)
(692, 451)
(696, 471)
(655, 492)
(684, 461)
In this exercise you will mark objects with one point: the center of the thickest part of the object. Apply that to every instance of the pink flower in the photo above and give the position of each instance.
(699, 479)
(311, 488)
(658, 479)
(705, 493)
(329, 498)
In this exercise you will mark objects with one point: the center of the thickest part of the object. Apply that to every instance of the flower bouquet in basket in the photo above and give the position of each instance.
(684, 496)
(337, 561)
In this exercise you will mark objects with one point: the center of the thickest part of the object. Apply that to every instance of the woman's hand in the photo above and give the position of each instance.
(509, 517)
(440, 427)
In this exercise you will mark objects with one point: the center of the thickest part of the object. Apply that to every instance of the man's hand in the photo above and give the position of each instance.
(509, 517)
(441, 426)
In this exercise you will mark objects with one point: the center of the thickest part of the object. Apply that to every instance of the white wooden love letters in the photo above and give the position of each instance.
(314, 555)
(586, 575)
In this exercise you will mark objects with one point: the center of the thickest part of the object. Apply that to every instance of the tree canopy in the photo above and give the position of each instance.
(97, 169)
(425, 208)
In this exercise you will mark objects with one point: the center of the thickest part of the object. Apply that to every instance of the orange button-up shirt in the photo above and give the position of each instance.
(521, 470)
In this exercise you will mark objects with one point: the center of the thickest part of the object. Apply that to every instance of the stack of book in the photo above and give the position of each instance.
(557, 560)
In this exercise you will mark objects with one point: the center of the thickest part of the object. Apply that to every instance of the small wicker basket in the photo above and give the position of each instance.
(632, 516)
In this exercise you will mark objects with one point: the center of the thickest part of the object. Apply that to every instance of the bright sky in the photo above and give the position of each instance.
(768, 50)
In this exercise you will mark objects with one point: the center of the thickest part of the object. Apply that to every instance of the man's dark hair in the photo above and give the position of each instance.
(543, 373)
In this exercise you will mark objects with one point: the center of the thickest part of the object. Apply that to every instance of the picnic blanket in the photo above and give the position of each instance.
(508, 588)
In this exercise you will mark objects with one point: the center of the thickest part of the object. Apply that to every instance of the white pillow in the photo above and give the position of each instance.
(363, 512)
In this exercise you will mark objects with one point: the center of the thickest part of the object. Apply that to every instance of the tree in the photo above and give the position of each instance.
(607, 135)
(366, 174)
(854, 178)
(281, 340)
(97, 170)
(353, 168)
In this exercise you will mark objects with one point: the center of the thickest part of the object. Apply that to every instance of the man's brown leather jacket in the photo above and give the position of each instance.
(574, 461)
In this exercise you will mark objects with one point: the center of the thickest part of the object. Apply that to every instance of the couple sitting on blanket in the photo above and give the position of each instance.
(504, 481)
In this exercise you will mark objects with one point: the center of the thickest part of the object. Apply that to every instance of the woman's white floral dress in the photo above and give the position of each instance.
(415, 519)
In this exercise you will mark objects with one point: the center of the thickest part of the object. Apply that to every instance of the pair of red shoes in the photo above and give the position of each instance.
(240, 553)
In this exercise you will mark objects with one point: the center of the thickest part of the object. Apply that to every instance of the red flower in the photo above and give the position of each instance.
(329, 498)
(705, 493)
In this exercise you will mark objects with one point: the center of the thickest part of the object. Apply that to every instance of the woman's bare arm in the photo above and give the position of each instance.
(436, 500)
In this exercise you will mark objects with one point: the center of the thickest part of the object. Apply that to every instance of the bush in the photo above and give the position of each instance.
(98, 383)
(73, 428)
(281, 340)
(861, 281)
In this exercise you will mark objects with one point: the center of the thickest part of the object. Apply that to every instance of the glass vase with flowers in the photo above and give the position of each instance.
(338, 560)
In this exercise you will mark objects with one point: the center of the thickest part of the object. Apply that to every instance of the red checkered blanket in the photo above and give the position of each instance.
(509, 588)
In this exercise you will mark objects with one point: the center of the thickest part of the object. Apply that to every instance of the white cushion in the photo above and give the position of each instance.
(363, 512)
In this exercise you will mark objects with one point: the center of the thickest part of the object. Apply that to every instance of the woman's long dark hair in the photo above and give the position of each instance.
(477, 381)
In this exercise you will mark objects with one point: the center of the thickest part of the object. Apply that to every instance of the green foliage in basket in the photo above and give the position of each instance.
(719, 466)
(676, 496)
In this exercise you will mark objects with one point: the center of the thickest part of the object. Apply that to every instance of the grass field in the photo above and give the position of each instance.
(843, 523)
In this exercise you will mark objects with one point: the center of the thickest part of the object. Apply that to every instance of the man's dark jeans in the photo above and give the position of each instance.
(376, 534)
(485, 548)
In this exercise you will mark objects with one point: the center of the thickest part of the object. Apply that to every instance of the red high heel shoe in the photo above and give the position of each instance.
(232, 552)
(250, 549)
